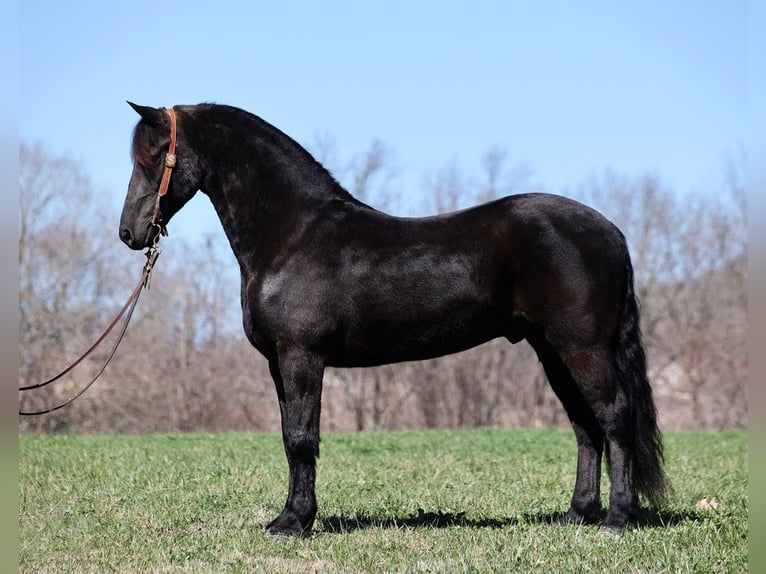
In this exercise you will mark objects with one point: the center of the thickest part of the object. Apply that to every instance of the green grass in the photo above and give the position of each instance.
(436, 501)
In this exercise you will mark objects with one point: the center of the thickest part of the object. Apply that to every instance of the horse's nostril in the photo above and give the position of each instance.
(126, 236)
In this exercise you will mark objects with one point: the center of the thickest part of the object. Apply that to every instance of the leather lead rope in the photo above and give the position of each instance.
(151, 257)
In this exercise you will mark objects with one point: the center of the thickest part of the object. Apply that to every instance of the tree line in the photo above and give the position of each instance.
(186, 365)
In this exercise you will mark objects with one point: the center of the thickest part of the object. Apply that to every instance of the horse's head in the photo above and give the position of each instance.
(151, 142)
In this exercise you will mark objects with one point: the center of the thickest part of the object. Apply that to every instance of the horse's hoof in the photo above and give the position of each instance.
(285, 526)
(610, 530)
(573, 517)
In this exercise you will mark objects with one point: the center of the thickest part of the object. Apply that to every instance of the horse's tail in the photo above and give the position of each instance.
(647, 451)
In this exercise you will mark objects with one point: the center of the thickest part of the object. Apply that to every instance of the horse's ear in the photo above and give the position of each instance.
(151, 115)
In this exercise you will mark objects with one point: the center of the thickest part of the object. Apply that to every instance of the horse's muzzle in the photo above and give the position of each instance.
(138, 243)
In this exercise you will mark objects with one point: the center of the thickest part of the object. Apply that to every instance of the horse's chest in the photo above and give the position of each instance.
(277, 307)
(259, 314)
(254, 330)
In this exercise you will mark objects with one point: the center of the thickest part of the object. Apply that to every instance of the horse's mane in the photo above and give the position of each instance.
(146, 137)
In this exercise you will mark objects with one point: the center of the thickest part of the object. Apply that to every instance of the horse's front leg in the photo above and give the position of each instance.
(298, 378)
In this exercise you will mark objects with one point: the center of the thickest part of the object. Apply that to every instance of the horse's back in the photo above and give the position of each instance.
(417, 288)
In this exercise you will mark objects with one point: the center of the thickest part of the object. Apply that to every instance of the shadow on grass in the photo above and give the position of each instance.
(667, 518)
(423, 519)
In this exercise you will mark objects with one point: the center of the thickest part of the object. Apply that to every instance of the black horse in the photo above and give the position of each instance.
(330, 281)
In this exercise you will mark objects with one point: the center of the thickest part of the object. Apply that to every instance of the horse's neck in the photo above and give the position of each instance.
(264, 198)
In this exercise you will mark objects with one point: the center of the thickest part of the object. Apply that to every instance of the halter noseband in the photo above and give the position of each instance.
(170, 163)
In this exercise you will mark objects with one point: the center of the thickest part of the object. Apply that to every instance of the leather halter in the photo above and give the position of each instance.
(170, 163)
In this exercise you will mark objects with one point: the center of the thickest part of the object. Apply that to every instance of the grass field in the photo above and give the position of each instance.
(435, 501)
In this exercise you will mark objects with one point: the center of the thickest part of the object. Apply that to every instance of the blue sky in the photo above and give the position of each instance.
(568, 88)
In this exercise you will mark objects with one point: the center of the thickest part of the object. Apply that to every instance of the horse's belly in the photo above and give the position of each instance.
(395, 339)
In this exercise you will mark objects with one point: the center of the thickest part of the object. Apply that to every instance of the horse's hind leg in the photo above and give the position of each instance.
(585, 506)
(298, 379)
(595, 377)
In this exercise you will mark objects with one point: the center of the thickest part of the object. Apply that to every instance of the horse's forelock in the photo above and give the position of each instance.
(144, 143)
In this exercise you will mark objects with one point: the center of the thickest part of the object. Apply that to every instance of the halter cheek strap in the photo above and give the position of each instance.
(170, 163)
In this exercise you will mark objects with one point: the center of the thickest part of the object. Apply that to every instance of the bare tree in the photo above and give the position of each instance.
(185, 363)
(63, 277)
(689, 255)
(447, 190)
(499, 179)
